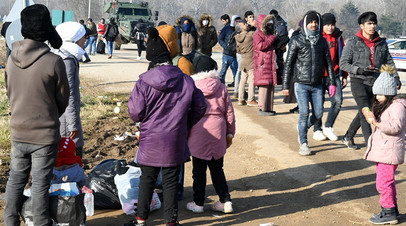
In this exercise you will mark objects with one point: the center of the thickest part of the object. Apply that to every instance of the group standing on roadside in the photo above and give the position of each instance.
(183, 104)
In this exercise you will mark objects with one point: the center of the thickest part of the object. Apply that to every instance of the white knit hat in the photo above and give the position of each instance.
(71, 31)
(385, 84)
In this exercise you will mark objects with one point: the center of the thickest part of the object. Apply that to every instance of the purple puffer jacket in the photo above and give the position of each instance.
(264, 54)
(167, 103)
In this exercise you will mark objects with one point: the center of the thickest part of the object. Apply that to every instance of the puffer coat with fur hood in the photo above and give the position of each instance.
(206, 35)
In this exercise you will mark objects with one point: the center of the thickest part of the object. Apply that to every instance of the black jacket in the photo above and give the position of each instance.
(356, 54)
(306, 63)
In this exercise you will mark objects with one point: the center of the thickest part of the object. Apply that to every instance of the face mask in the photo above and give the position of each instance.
(205, 22)
(186, 27)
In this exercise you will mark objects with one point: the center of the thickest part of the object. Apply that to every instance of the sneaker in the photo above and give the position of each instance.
(173, 224)
(329, 132)
(235, 95)
(139, 58)
(387, 216)
(266, 113)
(350, 143)
(135, 223)
(230, 84)
(109, 57)
(304, 149)
(294, 110)
(226, 207)
(192, 206)
(242, 102)
(318, 135)
(252, 103)
(87, 61)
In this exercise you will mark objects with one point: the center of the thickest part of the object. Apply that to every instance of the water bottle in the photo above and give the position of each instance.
(88, 201)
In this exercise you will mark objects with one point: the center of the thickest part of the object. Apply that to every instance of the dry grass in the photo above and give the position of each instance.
(4, 117)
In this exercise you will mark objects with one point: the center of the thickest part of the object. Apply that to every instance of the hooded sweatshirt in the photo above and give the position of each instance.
(168, 104)
(38, 91)
(336, 44)
(207, 138)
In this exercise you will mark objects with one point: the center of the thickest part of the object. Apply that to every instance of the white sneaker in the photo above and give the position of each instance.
(304, 149)
(318, 135)
(192, 206)
(226, 207)
(329, 132)
(139, 58)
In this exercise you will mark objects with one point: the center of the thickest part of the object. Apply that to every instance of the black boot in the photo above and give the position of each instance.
(387, 216)
(396, 212)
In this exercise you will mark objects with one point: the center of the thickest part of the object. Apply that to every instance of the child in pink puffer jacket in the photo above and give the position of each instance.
(211, 136)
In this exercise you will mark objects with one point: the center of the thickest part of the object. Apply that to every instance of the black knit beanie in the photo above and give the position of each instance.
(312, 16)
(157, 52)
(204, 63)
(36, 25)
(367, 16)
(328, 18)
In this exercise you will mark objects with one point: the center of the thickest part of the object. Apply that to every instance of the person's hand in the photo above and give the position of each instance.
(332, 90)
(285, 92)
(229, 140)
(344, 83)
(73, 134)
(366, 71)
(252, 23)
(369, 116)
(398, 82)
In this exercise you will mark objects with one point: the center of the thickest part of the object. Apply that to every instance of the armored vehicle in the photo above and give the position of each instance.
(127, 16)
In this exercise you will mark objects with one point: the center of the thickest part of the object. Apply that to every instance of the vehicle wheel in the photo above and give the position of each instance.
(116, 47)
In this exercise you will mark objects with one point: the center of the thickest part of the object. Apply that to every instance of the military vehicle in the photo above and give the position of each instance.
(127, 16)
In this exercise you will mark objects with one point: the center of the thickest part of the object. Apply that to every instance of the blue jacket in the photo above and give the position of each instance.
(225, 36)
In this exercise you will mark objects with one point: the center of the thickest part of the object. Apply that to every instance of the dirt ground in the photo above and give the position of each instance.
(268, 180)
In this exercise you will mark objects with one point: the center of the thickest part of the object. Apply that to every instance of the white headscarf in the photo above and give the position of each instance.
(70, 33)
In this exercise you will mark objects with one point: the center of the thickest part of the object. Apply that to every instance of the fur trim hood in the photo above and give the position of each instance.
(207, 82)
(263, 20)
(202, 17)
(181, 19)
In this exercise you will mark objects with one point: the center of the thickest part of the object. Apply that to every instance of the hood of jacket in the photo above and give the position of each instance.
(232, 23)
(303, 29)
(207, 82)
(27, 52)
(163, 78)
(182, 19)
(203, 17)
(263, 20)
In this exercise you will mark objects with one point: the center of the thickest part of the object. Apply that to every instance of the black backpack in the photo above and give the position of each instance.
(113, 31)
(231, 44)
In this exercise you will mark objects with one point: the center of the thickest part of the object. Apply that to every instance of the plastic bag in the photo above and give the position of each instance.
(67, 210)
(88, 201)
(101, 181)
(127, 185)
(64, 189)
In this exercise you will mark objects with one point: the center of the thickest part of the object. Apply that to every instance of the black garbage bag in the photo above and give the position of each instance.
(101, 181)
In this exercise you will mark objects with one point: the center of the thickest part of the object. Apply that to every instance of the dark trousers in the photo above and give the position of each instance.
(170, 177)
(363, 96)
(140, 46)
(39, 160)
(217, 176)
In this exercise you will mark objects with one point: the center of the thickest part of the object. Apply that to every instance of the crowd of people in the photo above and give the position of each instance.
(184, 106)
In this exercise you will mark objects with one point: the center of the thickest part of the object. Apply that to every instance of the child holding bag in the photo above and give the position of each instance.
(386, 145)
(211, 136)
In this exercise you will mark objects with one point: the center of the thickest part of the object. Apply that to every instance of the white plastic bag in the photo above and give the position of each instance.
(88, 201)
(127, 186)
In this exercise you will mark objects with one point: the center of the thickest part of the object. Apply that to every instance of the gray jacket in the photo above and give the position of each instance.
(356, 54)
(70, 120)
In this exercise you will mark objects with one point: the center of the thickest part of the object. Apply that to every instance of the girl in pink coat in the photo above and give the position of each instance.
(265, 63)
(211, 136)
(386, 145)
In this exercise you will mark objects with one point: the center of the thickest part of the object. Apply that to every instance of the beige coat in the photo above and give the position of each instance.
(245, 47)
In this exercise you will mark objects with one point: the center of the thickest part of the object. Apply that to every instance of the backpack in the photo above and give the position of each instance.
(113, 31)
(281, 28)
(101, 47)
(231, 44)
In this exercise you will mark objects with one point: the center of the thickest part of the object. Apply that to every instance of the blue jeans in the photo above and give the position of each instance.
(92, 45)
(228, 61)
(40, 160)
(336, 102)
(110, 47)
(237, 76)
(306, 94)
